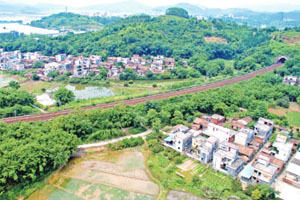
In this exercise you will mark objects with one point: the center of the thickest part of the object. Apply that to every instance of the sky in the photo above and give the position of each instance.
(252, 4)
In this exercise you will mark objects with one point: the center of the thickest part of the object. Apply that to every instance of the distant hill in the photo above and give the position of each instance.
(192, 9)
(242, 15)
(22, 8)
(72, 21)
(124, 6)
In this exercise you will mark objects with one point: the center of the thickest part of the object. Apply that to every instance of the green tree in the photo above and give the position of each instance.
(38, 64)
(63, 96)
(179, 12)
(156, 125)
(14, 84)
(53, 74)
(35, 77)
(256, 194)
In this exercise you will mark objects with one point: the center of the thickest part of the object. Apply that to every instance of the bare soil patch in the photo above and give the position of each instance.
(177, 195)
(214, 39)
(188, 165)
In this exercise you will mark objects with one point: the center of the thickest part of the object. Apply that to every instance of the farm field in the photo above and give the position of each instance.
(179, 177)
(292, 113)
(111, 175)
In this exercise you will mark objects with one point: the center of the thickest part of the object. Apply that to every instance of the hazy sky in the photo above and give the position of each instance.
(207, 3)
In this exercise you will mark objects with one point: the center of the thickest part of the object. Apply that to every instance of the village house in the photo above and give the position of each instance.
(179, 128)
(199, 123)
(244, 136)
(256, 144)
(283, 148)
(60, 57)
(203, 148)
(264, 172)
(246, 153)
(241, 123)
(292, 173)
(221, 133)
(217, 119)
(226, 159)
(179, 141)
(291, 80)
(264, 128)
(53, 66)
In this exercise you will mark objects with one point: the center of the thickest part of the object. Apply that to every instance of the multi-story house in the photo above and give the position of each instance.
(291, 80)
(292, 174)
(264, 128)
(244, 136)
(179, 141)
(221, 133)
(60, 57)
(203, 148)
(264, 172)
(283, 148)
(226, 159)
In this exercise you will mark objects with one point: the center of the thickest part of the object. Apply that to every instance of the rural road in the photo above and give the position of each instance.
(103, 143)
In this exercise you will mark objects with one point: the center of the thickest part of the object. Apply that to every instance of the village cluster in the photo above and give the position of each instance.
(239, 151)
(82, 66)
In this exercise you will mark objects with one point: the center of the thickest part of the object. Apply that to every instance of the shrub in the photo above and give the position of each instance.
(126, 84)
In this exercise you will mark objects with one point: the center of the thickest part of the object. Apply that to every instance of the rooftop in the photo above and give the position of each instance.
(262, 127)
(270, 168)
(247, 172)
(218, 117)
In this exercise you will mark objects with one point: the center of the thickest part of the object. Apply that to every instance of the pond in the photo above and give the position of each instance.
(90, 92)
(4, 80)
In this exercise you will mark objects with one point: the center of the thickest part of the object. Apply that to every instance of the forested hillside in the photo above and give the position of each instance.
(165, 35)
(72, 21)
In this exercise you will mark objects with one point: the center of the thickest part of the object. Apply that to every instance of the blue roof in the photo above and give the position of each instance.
(247, 172)
(169, 139)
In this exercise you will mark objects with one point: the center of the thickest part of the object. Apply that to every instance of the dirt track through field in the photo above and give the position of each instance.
(48, 116)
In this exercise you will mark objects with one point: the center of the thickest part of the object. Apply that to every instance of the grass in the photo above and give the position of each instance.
(294, 118)
(138, 130)
(292, 113)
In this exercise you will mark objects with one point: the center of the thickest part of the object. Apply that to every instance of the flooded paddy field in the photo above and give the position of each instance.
(109, 175)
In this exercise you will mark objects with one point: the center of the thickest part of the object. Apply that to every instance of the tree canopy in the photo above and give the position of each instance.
(179, 12)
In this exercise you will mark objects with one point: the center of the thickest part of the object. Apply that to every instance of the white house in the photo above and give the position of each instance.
(179, 141)
(226, 159)
(283, 148)
(264, 128)
(220, 132)
(244, 136)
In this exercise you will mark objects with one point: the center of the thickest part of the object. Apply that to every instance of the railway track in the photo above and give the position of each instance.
(48, 116)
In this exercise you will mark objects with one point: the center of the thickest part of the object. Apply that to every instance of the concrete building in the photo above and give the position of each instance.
(283, 148)
(244, 136)
(220, 132)
(264, 172)
(226, 159)
(203, 148)
(264, 128)
(179, 141)
(292, 174)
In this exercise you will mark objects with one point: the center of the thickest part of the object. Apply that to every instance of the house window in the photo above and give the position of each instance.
(178, 148)
(255, 171)
(259, 173)
(179, 142)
